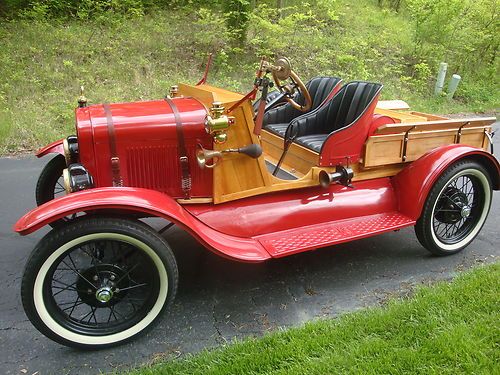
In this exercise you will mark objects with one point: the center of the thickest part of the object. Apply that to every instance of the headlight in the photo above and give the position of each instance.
(77, 178)
(70, 146)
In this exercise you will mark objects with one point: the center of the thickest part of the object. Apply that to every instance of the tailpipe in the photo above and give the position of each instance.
(342, 175)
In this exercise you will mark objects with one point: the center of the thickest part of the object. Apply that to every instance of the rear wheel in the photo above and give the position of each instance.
(98, 282)
(456, 208)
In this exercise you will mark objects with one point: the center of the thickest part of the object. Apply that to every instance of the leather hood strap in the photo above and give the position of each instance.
(183, 158)
(115, 160)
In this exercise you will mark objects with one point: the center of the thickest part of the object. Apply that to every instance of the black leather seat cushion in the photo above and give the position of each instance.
(278, 129)
(319, 88)
(312, 142)
(342, 111)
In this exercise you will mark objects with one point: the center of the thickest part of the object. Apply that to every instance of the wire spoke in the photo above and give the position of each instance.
(85, 317)
(66, 287)
(110, 314)
(126, 273)
(132, 287)
(79, 274)
(73, 306)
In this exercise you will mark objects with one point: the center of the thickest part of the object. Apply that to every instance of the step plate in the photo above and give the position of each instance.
(312, 237)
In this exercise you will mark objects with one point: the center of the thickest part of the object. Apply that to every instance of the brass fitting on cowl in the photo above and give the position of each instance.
(217, 124)
(82, 100)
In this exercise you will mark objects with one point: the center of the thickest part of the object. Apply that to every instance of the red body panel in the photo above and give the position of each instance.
(414, 182)
(276, 212)
(53, 148)
(146, 142)
(379, 120)
(143, 201)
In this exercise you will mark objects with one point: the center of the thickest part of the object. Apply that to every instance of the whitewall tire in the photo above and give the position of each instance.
(456, 208)
(98, 282)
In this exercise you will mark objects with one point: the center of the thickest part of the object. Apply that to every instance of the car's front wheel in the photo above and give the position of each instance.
(456, 208)
(50, 185)
(98, 282)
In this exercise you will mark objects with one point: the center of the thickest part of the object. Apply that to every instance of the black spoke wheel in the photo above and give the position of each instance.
(456, 208)
(50, 185)
(98, 282)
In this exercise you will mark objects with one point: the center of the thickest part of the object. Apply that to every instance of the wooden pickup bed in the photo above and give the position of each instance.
(407, 141)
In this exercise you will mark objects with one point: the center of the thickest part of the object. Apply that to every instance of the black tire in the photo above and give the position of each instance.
(131, 253)
(48, 180)
(50, 186)
(456, 208)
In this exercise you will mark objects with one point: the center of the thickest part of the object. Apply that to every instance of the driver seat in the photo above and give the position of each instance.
(321, 89)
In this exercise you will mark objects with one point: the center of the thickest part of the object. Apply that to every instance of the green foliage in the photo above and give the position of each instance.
(41, 10)
(125, 51)
(391, 4)
(275, 32)
(463, 33)
(237, 13)
(450, 328)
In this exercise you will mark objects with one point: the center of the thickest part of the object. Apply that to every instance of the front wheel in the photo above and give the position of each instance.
(98, 282)
(50, 185)
(456, 208)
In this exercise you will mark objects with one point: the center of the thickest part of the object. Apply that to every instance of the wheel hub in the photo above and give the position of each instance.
(101, 285)
(453, 206)
(465, 211)
(104, 295)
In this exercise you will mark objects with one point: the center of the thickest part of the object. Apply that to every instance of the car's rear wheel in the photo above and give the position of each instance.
(98, 282)
(456, 208)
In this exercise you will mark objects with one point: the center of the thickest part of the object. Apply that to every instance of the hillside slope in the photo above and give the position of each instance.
(43, 62)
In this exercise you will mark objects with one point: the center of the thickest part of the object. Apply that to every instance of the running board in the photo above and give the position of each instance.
(293, 241)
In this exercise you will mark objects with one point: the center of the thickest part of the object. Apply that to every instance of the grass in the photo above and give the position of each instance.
(449, 328)
(43, 63)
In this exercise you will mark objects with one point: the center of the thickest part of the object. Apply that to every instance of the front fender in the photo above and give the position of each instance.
(145, 201)
(53, 148)
(415, 181)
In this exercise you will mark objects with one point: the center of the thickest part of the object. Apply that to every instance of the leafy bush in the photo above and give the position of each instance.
(464, 33)
(237, 13)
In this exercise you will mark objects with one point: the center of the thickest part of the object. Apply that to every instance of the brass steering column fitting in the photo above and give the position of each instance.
(217, 124)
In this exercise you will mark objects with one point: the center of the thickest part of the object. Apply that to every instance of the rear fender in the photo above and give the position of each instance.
(414, 182)
(143, 201)
(53, 148)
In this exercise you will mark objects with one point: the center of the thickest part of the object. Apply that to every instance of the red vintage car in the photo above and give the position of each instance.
(306, 166)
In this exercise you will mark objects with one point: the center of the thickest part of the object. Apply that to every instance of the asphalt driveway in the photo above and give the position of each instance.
(219, 300)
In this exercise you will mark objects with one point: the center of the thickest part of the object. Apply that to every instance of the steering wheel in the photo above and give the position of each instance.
(282, 71)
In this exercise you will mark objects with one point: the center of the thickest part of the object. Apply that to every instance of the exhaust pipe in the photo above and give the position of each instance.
(342, 175)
